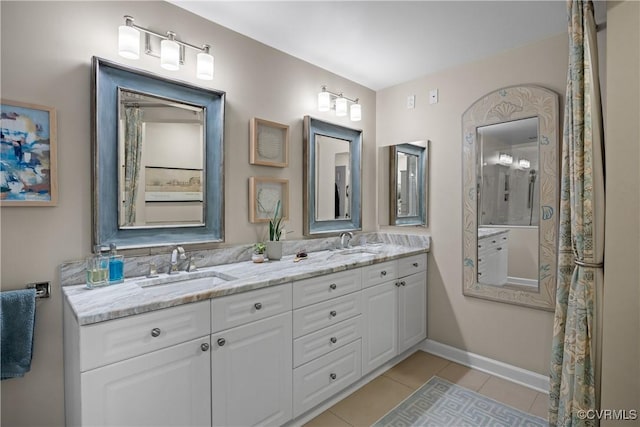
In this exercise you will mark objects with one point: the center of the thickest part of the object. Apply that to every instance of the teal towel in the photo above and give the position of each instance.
(17, 319)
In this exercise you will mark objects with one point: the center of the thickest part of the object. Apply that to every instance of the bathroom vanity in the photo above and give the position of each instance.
(242, 343)
(493, 258)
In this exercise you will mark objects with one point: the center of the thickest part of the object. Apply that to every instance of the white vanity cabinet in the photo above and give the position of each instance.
(251, 364)
(149, 369)
(394, 309)
(493, 259)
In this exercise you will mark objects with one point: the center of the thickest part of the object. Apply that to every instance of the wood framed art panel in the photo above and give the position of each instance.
(28, 172)
(269, 143)
(264, 194)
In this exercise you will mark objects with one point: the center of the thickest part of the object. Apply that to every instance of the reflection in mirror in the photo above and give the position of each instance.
(334, 178)
(407, 185)
(332, 173)
(158, 159)
(510, 196)
(161, 157)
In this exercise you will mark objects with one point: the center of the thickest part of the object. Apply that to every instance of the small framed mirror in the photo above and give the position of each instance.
(510, 196)
(332, 173)
(408, 165)
(158, 159)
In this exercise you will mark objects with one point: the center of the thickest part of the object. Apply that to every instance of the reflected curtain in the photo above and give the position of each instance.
(574, 377)
(132, 157)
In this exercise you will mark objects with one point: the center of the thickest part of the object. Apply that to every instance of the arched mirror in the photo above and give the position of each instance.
(510, 196)
(331, 177)
(408, 183)
(158, 159)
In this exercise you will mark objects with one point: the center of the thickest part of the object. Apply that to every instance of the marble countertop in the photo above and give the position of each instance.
(489, 232)
(141, 294)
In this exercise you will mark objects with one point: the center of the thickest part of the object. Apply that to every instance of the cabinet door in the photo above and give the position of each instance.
(412, 310)
(380, 331)
(252, 373)
(165, 387)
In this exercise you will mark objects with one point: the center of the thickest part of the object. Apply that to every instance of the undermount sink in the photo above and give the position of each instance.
(358, 251)
(197, 279)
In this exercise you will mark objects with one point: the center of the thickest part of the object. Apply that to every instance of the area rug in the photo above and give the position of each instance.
(440, 403)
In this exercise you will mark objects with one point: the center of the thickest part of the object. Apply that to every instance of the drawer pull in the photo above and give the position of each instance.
(204, 346)
(499, 249)
(504, 238)
(479, 259)
(383, 273)
(221, 341)
(333, 313)
(493, 241)
(415, 264)
(333, 376)
(479, 273)
(397, 284)
(333, 286)
(258, 306)
(155, 332)
(479, 246)
(403, 283)
(333, 340)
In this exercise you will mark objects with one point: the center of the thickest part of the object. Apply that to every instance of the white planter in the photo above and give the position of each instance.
(274, 250)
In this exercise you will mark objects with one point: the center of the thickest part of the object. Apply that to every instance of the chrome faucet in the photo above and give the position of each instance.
(342, 239)
(176, 254)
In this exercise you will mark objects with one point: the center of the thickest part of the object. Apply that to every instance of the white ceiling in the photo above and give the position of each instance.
(383, 43)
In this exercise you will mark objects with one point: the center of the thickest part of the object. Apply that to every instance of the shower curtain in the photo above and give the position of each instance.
(132, 157)
(574, 380)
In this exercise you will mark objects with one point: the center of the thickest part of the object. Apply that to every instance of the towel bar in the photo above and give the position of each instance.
(43, 289)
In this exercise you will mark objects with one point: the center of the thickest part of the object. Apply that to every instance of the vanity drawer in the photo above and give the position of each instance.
(322, 288)
(314, 317)
(322, 378)
(115, 340)
(321, 342)
(379, 273)
(245, 307)
(412, 264)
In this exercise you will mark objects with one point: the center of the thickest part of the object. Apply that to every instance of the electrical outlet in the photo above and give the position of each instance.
(411, 102)
(433, 96)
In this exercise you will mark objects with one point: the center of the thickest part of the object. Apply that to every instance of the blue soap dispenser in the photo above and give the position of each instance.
(116, 266)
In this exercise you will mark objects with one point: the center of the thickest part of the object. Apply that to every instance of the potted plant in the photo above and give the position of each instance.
(274, 245)
(258, 252)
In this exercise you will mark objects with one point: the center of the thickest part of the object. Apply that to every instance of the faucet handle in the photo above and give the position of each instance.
(191, 266)
(153, 270)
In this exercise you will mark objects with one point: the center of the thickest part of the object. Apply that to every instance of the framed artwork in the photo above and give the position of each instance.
(28, 175)
(264, 194)
(269, 143)
(172, 184)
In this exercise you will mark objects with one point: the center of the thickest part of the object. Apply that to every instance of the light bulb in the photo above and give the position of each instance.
(341, 106)
(324, 101)
(170, 53)
(356, 112)
(204, 67)
(128, 42)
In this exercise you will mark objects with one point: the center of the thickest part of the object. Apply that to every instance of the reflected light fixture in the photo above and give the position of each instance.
(340, 103)
(505, 159)
(524, 163)
(171, 49)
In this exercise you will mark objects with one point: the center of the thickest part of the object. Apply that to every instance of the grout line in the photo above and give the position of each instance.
(401, 383)
(339, 417)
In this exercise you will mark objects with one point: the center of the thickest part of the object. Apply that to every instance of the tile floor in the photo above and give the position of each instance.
(366, 405)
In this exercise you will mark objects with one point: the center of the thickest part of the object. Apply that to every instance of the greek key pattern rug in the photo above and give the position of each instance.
(439, 403)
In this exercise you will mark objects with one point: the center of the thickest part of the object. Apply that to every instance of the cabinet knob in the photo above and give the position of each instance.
(155, 332)
(221, 341)
(333, 340)
(415, 264)
(333, 313)
(493, 241)
(333, 376)
(499, 249)
(204, 346)
(403, 283)
(383, 273)
(479, 259)
(479, 246)
(397, 284)
(504, 238)
(479, 273)
(258, 306)
(333, 286)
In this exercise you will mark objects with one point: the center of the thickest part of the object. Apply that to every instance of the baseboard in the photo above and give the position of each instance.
(494, 367)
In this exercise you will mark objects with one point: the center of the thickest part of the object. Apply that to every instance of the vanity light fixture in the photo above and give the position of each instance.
(171, 49)
(524, 163)
(340, 103)
(505, 159)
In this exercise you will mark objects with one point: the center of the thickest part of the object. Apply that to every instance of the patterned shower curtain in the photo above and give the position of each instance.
(132, 157)
(574, 392)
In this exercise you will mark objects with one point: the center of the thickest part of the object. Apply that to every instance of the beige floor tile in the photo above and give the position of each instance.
(540, 406)
(416, 369)
(463, 376)
(509, 393)
(368, 404)
(327, 419)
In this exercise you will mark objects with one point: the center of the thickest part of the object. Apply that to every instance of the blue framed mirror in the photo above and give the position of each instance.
(408, 183)
(332, 175)
(158, 163)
